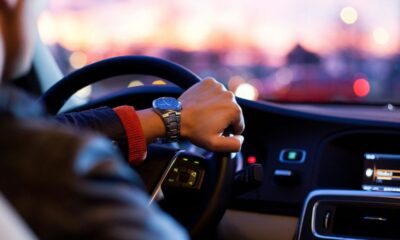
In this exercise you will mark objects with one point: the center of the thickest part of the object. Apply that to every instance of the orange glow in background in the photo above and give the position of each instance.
(271, 27)
(305, 50)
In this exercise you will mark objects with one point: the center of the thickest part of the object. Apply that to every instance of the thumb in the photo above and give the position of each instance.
(231, 143)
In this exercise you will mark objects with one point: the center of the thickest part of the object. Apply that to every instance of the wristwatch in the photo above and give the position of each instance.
(169, 109)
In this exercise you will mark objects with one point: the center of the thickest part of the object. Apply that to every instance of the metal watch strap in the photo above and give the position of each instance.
(172, 121)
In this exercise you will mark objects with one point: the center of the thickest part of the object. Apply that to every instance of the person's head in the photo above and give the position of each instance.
(18, 21)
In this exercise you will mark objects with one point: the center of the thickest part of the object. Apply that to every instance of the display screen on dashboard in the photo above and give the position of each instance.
(381, 172)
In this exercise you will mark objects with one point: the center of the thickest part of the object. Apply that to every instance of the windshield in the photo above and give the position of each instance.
(289, 51)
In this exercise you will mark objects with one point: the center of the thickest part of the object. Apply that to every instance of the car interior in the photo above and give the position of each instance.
(321, 156)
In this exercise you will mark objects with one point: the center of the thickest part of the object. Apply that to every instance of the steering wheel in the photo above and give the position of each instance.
(196, 208)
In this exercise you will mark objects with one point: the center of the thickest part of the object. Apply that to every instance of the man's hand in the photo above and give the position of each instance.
(207, 110)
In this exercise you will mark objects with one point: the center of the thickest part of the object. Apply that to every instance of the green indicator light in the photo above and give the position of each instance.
(171, 180)
(190, 183)
(196, 162)
(185, 159)
(292, 155)
(175, 169)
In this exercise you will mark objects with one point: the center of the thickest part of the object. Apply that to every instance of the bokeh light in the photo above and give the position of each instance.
(349, 15)
(135, 83)
(78, 59)
(284, 76)
(159, 82)
(361, 87)
(381, 36)
(47, 28)
(247, 91)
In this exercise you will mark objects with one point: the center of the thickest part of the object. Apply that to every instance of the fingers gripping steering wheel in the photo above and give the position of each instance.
(196, 209)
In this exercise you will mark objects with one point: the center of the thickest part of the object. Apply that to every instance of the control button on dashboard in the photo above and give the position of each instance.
(286, 177)
(292, 155)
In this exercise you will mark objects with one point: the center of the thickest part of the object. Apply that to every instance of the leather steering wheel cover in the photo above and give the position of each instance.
(58, 94)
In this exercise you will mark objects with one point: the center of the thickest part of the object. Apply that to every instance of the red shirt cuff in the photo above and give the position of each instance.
(137, 148)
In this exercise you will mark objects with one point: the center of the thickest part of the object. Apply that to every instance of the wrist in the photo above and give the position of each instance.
(184, 125)
(152, 125)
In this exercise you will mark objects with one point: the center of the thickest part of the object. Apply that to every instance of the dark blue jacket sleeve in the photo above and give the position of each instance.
(101, 120)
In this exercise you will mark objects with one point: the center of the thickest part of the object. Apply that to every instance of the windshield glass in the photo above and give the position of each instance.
(289, 51)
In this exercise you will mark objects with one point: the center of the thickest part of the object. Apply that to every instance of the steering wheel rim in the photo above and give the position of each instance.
(223, 175)
(57, 95)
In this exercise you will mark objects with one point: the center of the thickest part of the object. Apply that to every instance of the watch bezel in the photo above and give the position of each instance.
(167, 104)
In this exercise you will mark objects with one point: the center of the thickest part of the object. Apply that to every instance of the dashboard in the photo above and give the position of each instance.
(333, 151)
(308, 148)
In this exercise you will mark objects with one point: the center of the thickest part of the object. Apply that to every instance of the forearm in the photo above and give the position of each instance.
(102, 120)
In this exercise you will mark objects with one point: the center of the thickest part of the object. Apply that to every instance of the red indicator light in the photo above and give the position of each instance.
(361, 87)
(251, 160)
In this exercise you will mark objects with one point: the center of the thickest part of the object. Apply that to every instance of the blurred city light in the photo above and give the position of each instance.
(349, 15)
(85, 92)
(283, 77)
(361, 87)
(246, 91)
(47, 29)
(159, 82)
(250, 46)
(381, 36)
(135, 83)
(192, 26)
(78, 59)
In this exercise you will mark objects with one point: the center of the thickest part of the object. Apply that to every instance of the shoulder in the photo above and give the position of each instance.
(65, 184)
(61, 150)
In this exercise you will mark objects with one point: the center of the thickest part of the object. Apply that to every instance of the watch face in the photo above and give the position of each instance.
(167, 103)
